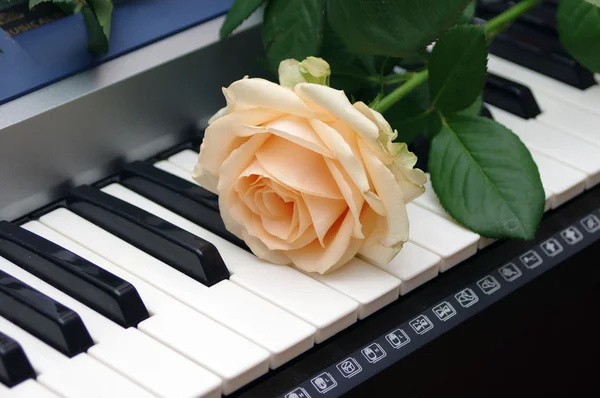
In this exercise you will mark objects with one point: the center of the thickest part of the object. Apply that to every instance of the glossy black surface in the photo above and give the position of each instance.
(510, 96)
(169, 181)
(187, 253)
(14, 365)
(533, 43)
(94, 286)
(180, 197)
(43, 317)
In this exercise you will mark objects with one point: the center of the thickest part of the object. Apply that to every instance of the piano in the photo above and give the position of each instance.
(118, 278)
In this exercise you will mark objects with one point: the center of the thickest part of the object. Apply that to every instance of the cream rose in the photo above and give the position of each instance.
(306, 178)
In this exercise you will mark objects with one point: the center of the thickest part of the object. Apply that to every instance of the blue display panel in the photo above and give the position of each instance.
(41, 56)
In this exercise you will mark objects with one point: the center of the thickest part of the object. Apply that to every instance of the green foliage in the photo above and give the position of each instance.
(457, 68)
(292, 29)
(468, 13)
(486, 178)
(240, 11)
(579, 30)
(395, 28)
(97, 15)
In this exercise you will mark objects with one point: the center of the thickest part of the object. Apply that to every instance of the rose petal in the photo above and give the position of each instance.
(343, 154)
(323, 212)
(391, 196)
(352, 195)
(299, 131)
(260, 93)
(336, 103)
(261, 251)
(297, 168)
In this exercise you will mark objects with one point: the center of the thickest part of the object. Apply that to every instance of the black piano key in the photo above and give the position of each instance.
(532, 49)
(43, 317)
(183, 251)
(174, 183)
(510, 96)
(541, 17)
(180, 198)
(81, 279)
(14, 365)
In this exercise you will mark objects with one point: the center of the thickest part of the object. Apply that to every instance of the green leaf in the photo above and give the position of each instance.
(239, 11)
(468, 13)
(457, 68)
(410, 115)
(292, 29)
(579, 31)
(475, 108)
(396, 28)
(486, 178)
(97, 17)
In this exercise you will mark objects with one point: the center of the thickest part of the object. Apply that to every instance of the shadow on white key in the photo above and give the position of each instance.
(451, 242)
(130, 352)
(185, 159)
(414, 266)
(324, 308)
(565, 148)
(27, 389)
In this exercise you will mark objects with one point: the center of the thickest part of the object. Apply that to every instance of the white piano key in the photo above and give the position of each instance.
(414, 266)
(83, 376)
(3, 390)
(371, 287)
(315, 303)
(586, 99)
(175, 170)
(162, 371)
(185, 159)
(451, 242)
(220, 350)
(189, 291)
(569, 118)
(41, 356)
(208, 334)
(27, 389)
(565, 148)
(126, 351)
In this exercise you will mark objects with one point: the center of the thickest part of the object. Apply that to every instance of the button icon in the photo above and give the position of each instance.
(551, 247)
(531, 259)
(571, 235)
(297, 393)
(349, 367)
(421, 324)
(591, 223)
(444, 311)
(323, 382)
(398, 338)
(373, 353)
(489, 284)
(510, 272)
(466, 297)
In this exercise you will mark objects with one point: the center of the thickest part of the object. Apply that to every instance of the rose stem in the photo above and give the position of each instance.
(492, 27)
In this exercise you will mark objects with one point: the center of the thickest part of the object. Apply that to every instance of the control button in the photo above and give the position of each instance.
(373, 353)
(510, 272)
(591, 223)
(324, 382)
(349, 367)
(551, 247)
(297, 393)
(488, 285)
(571, 235)
(444, 311)
(466, 297)
(398, 338)
(531, 259)
(421, 324)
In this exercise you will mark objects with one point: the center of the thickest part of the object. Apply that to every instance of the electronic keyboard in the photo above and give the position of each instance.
(124, 281)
